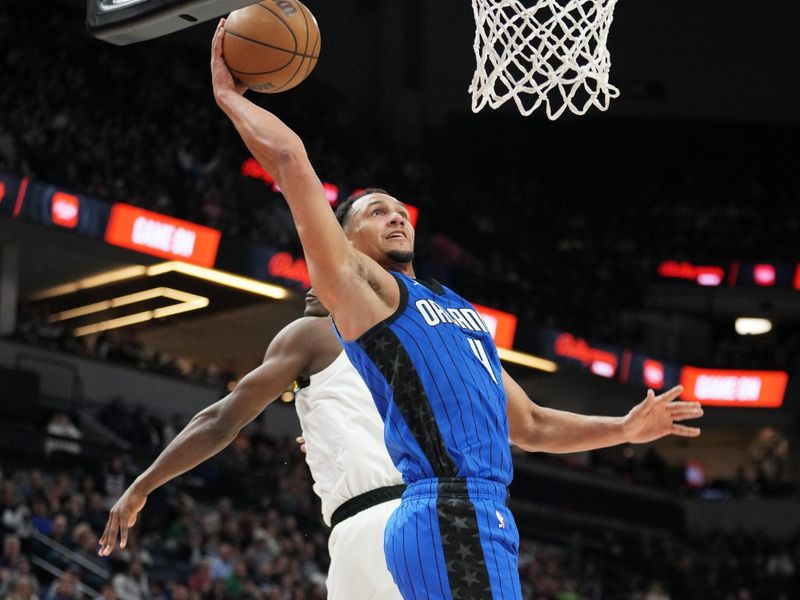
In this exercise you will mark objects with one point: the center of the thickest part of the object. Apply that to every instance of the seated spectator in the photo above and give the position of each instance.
(22, 588)
(133, 583)
(108, 593)
(59, 428)
(200, 581)
(14, 512)
(222, 562)
(66, 587)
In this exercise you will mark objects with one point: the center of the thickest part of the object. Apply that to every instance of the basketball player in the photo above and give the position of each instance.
(353, 474)
(448, 406)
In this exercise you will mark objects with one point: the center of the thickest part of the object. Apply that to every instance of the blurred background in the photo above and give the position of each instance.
(146, 261)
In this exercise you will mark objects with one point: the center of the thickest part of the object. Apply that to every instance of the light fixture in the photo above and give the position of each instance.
(220, 277)
(186, 302)
(752, 326)
(212, 275)
(172, 294)
(90, 282)
(527, 360)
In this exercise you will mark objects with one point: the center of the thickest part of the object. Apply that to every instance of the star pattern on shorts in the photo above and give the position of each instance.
(461, 544)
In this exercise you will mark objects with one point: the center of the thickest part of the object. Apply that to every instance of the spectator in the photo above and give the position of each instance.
(200, 580)
(22, 588)
(107, 593)
(13, 512)
(222, 562)
(66, 587)
(133, 583)
(60, 427)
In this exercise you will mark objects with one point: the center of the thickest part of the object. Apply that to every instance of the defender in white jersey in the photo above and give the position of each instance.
(353, 474)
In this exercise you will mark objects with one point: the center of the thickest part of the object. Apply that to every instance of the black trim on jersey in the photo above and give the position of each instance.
(433, 286)
(401, 306)
(386, 351)
(467, 573)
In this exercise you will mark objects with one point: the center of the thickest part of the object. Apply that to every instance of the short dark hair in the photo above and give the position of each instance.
(343, 209)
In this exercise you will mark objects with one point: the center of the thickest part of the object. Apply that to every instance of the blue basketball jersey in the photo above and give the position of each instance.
(435, 376)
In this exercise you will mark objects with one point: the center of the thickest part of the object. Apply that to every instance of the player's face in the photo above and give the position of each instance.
(314, 307)
(379, 227)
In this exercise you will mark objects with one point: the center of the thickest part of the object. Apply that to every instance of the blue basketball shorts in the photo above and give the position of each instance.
(454, 539)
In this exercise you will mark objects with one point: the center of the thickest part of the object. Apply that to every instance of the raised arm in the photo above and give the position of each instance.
(345, 280)
(538, 429)
(213, 428)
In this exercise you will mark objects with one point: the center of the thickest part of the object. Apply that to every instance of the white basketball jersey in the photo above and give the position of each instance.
(344, 436)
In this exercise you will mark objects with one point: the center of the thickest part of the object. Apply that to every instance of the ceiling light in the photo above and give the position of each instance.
(220, 277)
(752, 326)
(213, 275)
(90, 282)
(527, 360)
(186, 302)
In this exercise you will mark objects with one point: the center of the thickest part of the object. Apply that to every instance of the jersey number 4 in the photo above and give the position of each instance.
(480, 353)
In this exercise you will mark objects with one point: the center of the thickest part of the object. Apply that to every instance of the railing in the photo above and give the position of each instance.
(85, 590)
(79, 560)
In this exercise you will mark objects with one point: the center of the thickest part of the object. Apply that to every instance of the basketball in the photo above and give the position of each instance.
(271, 46)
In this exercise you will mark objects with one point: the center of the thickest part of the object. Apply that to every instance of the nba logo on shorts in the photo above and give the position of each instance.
(501, 520)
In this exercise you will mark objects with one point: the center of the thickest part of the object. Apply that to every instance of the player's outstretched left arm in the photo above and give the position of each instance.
(539, 429)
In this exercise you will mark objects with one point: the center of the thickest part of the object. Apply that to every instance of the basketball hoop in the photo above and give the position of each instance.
(552, 53)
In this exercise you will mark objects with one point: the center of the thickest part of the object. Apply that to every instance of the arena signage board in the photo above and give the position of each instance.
(45, 203)
(727, 387)
(502, 325)
(706, 275)
(65, 210)
(600, 362)
(159, 235)
(285, 266)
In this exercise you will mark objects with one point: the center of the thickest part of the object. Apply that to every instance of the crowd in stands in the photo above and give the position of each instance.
(193, 542)
(181, 549)
(122, 347)
(762, 469)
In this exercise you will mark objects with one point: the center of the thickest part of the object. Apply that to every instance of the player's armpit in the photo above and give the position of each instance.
(368, 294)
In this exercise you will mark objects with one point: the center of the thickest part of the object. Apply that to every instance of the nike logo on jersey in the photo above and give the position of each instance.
(466, 318)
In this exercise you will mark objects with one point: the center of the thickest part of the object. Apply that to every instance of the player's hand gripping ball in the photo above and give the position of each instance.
(271, 46)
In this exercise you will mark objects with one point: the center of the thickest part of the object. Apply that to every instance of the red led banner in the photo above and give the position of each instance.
(65, 210)
(764, 275)
(726, 387)
(159, 235)
(653, 374)
(599, 362)
(252, 168)
(502, 325)
(797, 278)
(709, 275)
(284, 265)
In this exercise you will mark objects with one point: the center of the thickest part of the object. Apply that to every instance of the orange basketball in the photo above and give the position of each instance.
(271, 46)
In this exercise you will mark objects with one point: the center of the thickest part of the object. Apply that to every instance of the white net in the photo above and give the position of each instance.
(553, 53)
